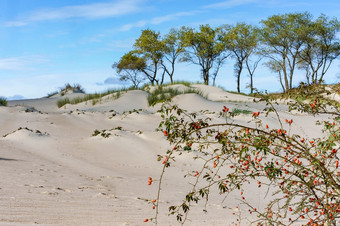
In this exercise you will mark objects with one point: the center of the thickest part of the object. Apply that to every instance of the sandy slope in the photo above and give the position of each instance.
(62, 175)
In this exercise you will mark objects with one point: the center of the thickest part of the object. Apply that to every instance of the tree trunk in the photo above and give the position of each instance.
(205, 76)
(240, 67)
(172, 72)
(280, 78)
(286, 80)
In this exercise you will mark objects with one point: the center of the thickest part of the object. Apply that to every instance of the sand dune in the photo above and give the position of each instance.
(54, 171)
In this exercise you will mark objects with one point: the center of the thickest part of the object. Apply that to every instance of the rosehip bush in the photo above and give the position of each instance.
(300, 174)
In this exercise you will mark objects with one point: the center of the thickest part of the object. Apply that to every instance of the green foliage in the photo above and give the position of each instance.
(206, 49)
(321, 48)
(174, 47)
(305, 92)
(289, 42)
(283, 37)
(300, 175)
(63, 102)
(162, 94)
(183, 82)
(242, 40)
(237, 111)
(129, 68)
(76, 88)
(102, 133)
(151, 48)
(3, 101)
(95, 98)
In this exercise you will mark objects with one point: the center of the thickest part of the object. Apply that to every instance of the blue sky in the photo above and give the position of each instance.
(47, 43)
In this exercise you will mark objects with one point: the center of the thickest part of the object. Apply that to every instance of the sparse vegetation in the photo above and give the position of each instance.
(38, 132)
(237, 111)
(162, 94)
(63, 102)
(103, 133)
(306, 92)
(95, 98)
(3, 101)
(76, 88)
(106, 133)
(299, 174)
(185, 83)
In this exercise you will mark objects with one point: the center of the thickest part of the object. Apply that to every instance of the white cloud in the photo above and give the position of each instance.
(157, 20)
(170, 17)
(89, 11)
(121, 44)
(21, 63)
(15, 24)
(128, 27)
(229, 4)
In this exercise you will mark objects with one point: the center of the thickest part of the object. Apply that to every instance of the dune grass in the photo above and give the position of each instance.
(312, 91)
(94, 98)
(183, 82)
(162, 94)
(3, 101)
(237, 111)
(76, 88)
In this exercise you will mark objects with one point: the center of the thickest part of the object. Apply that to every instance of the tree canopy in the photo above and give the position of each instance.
(242, 41)
(205, 48)
(287, 42)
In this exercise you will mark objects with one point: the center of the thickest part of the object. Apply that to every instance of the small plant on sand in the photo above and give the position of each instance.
(63, 102)
(94, 98)
(301, 176)
(76, 88)
(237, 111)
(102, 133)
(3, 101)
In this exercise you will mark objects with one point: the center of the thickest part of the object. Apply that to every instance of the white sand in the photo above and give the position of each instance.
(65, 176)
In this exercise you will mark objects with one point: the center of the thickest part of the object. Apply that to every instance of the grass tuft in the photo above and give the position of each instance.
(162, 94)
(94, 98)
(237, 111)
(76, 88)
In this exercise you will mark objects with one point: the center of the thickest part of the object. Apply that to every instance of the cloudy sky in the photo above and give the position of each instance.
(47, 43)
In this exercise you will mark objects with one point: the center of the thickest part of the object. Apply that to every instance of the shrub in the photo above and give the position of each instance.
(3, 101)
(302, 175)
(103, 133)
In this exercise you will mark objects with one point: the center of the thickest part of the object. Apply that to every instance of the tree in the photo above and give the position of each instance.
(204, 48)
(277, 68)
(242, 40)
(173, 48)
(321, 48)
(251, 66)
(151, 48)
(129, 68)
(283, 37)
